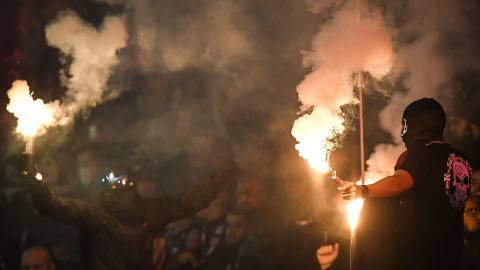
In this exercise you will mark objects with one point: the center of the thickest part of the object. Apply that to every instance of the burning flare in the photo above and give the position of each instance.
(313, 132)
(353, 209)
(32, 115)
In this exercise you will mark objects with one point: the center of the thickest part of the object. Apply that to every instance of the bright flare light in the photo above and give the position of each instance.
(353, 209)
(315, 155)
(314, 133)
(31, 114)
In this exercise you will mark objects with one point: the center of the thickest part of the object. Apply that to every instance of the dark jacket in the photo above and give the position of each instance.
(108, 243)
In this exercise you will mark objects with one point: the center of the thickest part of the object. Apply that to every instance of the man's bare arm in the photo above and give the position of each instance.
(389, 186)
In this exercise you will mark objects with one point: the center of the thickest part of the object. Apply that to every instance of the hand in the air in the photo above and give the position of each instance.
(326, 255)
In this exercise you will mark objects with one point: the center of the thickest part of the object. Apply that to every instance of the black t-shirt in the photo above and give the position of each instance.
(431, 213)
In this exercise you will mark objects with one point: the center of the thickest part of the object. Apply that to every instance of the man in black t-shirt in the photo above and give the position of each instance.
(432, 186)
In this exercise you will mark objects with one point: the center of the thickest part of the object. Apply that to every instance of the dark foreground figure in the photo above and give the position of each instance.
(413, 219)
(117, 228)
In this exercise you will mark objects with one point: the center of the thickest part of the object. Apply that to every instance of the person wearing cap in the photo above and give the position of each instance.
(432, 186)
(118, 227)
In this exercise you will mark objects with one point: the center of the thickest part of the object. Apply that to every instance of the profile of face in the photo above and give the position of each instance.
(37, 259)
(471, 217)
(251, 194)
(236, 229)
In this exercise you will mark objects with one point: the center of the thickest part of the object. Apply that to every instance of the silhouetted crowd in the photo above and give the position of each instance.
(274, 214)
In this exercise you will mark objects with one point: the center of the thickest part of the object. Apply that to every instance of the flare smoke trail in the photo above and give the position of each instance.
(93, 54)
(246, 56)
(427, 62)
(433, 47)
(344, 46)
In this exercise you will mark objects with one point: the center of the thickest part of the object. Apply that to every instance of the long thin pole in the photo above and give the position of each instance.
(360, 97)
(362, 149)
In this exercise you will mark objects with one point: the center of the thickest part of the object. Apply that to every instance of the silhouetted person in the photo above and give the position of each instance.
(117, 228)
(223, 253)
(433, 183)
(265, 242)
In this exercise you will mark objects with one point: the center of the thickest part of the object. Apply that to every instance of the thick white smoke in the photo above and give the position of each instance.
(433, 47)
(94, 55)
(345, 45)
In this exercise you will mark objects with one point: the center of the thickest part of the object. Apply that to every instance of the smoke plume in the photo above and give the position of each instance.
(345, 45)
(93, 53)
(433, 48)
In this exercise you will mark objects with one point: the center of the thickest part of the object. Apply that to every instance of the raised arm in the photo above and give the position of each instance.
(75, 212)
(166, 210)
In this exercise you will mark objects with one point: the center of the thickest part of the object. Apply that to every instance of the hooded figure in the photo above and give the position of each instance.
(118, 227)
(413, 219)
(423, 122)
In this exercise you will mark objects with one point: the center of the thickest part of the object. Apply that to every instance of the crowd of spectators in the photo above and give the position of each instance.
(149, 128)
(266, 219)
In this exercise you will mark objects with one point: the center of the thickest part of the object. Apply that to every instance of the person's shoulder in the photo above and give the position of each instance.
(450, 150)
(417, 152)
(453, 149)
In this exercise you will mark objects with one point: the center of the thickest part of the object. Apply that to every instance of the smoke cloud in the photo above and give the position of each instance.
(433, 48)
(347, 44)
(230, 69)
(397, 42)
(202, 34)
(93, 53)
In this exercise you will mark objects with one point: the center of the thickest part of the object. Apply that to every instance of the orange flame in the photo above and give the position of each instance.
(353, 209)
(314, 132)
(315, 154)
(32, 114)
